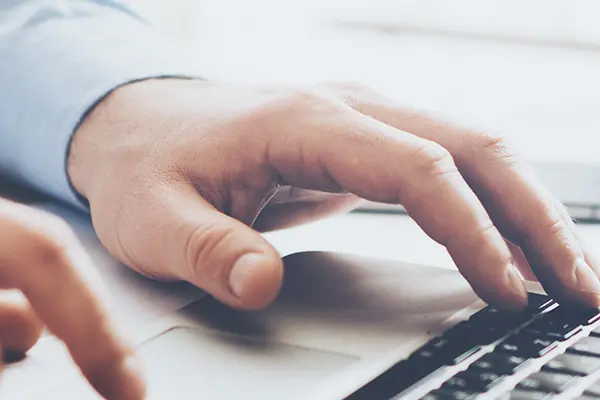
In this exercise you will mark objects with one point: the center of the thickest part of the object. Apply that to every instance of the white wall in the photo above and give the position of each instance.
(564, 21)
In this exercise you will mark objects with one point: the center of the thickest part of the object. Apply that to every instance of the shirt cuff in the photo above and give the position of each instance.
(55, 70)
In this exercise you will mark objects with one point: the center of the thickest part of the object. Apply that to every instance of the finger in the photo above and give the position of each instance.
(383, 164)
(20, 327)
(522, 208)
(184, 237)
(589, 254)
(292, 206)
(42, 265)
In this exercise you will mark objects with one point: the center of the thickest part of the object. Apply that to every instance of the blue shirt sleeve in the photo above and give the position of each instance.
(57, 60)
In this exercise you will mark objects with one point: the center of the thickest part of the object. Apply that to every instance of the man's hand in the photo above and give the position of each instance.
(37, 256)
(178, 173)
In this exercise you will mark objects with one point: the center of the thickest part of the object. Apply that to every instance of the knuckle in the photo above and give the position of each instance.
(553, 227)
(47, 250)
(305, 97)
(481, 234)
(300, 97)
(284, 104)
(429, 163)
(432, 160)
(556, 226)
(494, 145)
(353, 92)
(203, 243)
(350, 87)
(41, 240)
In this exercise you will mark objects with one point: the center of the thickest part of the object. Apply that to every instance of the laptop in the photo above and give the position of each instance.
(344, 327)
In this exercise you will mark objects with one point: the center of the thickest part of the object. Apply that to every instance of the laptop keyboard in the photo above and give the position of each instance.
(546, 352)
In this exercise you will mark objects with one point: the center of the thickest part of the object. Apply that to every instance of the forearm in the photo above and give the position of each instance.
(55, 65)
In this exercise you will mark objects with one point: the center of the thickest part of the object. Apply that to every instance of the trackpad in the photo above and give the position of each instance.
(192, 363)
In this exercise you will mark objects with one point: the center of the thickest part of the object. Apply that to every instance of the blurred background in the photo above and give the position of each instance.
(526, 68)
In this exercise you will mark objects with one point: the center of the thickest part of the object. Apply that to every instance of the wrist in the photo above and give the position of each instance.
(77, 162)
(81, 160)
(92, 149)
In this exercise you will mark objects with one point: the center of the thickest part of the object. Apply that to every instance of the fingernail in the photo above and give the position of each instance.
(122, 381)
(241, 274)
(132, 368)
(516, 283)
(592, 258)
(586, 278)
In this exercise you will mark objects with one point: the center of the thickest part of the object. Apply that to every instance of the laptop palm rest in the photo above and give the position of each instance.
(185, 363)
(335, 312)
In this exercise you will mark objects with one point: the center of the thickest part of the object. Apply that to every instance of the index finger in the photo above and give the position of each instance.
(43, 268)
(525, 211)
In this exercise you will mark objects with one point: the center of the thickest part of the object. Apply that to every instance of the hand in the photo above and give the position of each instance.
(37, 257)
(179, 172)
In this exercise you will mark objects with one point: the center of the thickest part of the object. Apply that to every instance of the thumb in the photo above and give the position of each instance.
(193, 241)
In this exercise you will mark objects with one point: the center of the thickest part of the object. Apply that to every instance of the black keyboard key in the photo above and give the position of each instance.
(526, 345)
(548, 382)
(559, 324)
(488, 313)
(456, 383)
(491, 316)
(595, 332)
(479, 334)
(424, 358)
(538, 302)
(441, 394)
(581, 315)
(490, 334)
(498, 363)
(587, 346)
(452, 349)
(434, 350)
(442, 351)
(585, 316)
(592, 315)
(393, 381)
(478, 381)
(527, 395)
(573, 364)
(424, 361)
(509, 347)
